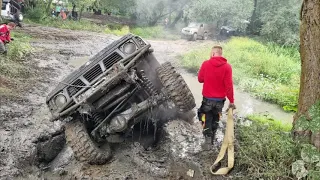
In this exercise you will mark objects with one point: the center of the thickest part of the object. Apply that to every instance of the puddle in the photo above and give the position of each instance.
(245, 103)
(77, 62)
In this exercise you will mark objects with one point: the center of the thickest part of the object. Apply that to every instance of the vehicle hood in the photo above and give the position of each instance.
(190, 29)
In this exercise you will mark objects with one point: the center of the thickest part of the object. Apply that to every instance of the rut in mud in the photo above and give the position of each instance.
(34, 148)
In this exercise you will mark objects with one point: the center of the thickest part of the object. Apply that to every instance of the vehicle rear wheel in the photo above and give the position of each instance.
(194, 37)
(205, 36)
(176, 88)
(84, 148)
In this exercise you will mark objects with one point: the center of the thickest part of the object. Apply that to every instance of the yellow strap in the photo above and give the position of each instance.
(228, 143)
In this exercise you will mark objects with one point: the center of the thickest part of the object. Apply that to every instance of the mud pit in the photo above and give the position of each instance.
(31, 147)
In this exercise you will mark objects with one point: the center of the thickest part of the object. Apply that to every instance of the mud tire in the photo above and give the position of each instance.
(84, 148)
(175, 87)
(205, 36)
(194, 37)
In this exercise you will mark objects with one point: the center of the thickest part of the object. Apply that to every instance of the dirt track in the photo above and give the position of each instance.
(27, 136)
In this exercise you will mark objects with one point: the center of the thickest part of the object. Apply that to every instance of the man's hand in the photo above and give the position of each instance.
(231, 106)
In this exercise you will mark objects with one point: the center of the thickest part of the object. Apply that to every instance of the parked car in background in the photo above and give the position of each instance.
(196, 31)
(11, 11)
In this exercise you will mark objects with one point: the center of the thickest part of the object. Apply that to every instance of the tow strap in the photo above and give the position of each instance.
(228, 143)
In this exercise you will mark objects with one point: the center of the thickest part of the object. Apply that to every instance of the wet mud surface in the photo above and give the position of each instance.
(32, 147)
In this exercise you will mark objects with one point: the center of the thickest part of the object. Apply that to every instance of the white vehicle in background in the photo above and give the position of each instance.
(196, 31)
(11, 11)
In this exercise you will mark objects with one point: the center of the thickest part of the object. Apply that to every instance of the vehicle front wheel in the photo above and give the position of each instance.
(84, 148)
(194, 37)
(175, 87)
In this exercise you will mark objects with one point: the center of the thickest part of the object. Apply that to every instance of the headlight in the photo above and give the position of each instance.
(60, 100)
(20, 17)
(129, 47)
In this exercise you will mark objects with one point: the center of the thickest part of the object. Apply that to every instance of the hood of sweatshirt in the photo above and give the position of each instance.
(218, 61)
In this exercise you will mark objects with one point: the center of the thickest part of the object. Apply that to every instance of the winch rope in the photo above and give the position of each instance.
(228, 143)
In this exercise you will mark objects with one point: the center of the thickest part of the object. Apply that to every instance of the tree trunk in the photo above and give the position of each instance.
(253, 19)
(310, 63)
(81, 10)
(175, 21)
(1, 16)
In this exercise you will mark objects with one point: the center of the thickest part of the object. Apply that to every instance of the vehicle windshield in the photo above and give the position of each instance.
(193, 25)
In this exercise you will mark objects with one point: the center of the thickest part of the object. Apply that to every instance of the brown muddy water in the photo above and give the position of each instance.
(33, 148)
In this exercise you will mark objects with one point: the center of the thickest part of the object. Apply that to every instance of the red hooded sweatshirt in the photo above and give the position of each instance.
(4, 33)
(216, 76)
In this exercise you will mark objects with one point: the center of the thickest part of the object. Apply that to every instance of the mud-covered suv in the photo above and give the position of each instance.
(195, 31)
(116, 89)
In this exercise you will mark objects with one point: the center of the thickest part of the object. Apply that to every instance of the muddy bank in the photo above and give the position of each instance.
(27, 137)
(29, 141)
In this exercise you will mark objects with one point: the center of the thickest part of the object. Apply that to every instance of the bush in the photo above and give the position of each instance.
(37, 14)
(265, 150)
(119, 31)
(10, 65)
(268, 71)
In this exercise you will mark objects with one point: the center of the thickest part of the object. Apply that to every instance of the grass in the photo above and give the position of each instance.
(266, 150)
(268, 71)
(12, 66)
(155, 32)
(273, 124)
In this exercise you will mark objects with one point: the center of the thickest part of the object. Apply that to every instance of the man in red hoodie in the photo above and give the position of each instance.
(216, 76)
(5, 36)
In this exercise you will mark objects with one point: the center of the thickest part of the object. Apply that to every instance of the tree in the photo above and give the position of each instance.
(280, 20)
(82, 4)
(222, 12)
(310, 64)
(123, 7)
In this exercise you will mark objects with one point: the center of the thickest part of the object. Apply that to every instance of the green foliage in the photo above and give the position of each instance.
(313, 123)
(149, 12)
(308, 166)
(119, 30)
(19, 47)
(154, 32)
(82, 3)
(231, 12)
(124, 7)
(12, 65)
(280, 20)
(271, 123)
(37, 14)
(268, 71)
(264, 152)
(69, 24)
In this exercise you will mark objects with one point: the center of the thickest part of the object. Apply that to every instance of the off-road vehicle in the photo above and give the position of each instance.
(196, 31)
(11, 11)
(117, 88)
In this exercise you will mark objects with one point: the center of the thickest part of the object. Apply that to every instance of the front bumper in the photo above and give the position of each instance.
(186, 36)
